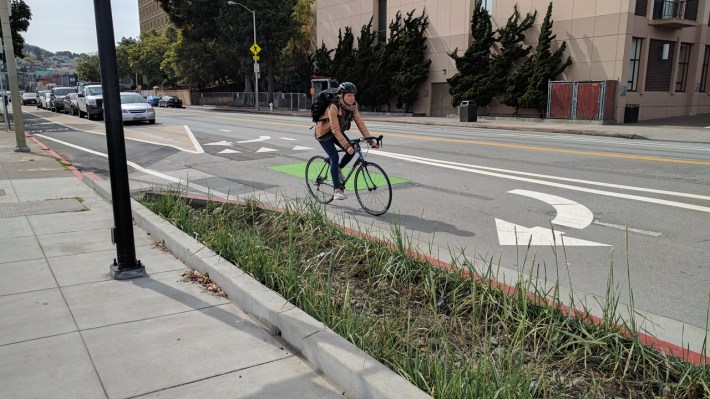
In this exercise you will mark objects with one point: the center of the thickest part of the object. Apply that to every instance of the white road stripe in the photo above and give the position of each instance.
(567, 179)
(141, 169)
(480, 170)
(620, 227)
(197, 145)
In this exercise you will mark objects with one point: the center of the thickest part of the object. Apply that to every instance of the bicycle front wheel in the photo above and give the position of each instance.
(318, 179)
(373, 189)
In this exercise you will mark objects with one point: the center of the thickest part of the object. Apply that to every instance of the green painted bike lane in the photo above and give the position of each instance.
(299, 170)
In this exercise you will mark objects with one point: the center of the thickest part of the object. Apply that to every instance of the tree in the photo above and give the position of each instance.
(510, 38)
(546, 65)
(191, 64)
(474, 80)
(150, 53)
(296, 59)
(408, 55)
(125, 51)
(517, 85)
(322, 63)
(87, 67)
(365, 73)
(344, 57)
(19, 22)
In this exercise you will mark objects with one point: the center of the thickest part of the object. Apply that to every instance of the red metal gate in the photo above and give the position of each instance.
(582, 100)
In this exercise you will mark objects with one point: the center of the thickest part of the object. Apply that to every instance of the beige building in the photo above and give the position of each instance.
(656, 49)
(151, 16)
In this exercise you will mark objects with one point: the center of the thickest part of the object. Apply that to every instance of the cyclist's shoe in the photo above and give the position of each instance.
(339, 195)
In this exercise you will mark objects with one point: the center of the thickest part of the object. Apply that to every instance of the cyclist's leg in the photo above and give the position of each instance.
(329, 148)
(347, 157)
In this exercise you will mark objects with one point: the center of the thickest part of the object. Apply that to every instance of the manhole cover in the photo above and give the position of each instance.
(41, 207)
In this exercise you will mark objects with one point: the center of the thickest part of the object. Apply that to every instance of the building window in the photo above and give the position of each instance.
(382, 20)
(641, 8)
(681, 77)
(659, 66)
(488, 5)
(704, 77)
(634, 63)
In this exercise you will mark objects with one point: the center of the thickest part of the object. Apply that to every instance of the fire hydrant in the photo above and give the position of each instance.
(271, 106)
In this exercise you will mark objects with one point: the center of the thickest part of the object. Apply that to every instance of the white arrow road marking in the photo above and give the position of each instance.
(266, 149)
(228, 151)
(514, 234)
(222, 143)
(261, 138)
(298, 147)
(569, 213)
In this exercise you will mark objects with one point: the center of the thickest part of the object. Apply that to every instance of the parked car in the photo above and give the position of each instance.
(170, 101)
(91, 101)
(71, 106)
(134, 108)
(46, 100)
(153, 100)
(58, 93)
(40, 96)
(29, 98)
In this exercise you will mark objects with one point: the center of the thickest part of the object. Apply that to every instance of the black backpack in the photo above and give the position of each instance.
(321, 102)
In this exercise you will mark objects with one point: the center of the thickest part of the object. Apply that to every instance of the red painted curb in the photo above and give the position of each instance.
(76, 172)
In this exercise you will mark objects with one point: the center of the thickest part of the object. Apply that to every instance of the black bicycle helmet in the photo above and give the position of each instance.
(347, 87)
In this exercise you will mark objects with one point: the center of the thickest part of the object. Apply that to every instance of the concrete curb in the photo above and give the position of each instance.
(357, 373)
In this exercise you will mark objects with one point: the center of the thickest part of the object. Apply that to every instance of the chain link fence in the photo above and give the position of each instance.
(292, 101)
(582, 100)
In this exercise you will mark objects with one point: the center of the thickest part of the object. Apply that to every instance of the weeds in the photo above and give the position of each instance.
(454, 334)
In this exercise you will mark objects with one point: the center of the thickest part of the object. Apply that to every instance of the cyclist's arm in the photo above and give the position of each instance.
(360, 123)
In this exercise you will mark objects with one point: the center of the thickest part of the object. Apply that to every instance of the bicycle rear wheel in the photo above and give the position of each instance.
(373, 189)
(318, 179)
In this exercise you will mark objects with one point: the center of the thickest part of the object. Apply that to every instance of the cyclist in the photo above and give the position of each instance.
(331, 128)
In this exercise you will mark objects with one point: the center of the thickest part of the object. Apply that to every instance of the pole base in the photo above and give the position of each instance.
(22, 148)
(126, 274)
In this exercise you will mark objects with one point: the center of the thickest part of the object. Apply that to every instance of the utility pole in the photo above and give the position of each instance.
(21, 144)
(125, 266)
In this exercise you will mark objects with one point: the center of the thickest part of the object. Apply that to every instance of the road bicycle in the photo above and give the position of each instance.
(373, 189)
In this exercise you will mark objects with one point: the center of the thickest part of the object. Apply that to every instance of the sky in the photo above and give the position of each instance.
(70, 25)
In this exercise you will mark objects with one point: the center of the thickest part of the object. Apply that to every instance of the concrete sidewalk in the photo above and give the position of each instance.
(67, 330)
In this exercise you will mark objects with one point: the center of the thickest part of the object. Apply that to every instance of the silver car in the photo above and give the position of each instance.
(134, 108)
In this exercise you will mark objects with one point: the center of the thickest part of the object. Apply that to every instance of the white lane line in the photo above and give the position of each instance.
(126, 138)
(222, 143)
(620, 227)
(287, 138)
(479, 170)
(197, 145)
(567, 179)
(569, 213)
(141, 169)
(228, 151)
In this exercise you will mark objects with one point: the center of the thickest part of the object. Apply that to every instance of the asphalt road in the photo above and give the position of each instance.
(637, 208)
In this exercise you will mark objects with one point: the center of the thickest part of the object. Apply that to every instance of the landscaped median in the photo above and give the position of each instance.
(453, 334)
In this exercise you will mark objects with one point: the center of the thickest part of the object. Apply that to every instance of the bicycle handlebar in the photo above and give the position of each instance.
(358, 140)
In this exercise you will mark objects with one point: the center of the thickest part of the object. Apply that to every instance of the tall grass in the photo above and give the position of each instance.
(454, 334)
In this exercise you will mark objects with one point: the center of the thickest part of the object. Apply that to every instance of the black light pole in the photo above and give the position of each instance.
(125, 265)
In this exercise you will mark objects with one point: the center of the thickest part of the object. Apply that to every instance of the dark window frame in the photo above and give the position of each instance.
(683, 66)
(635, 63)
(704, 77)
(382, 20)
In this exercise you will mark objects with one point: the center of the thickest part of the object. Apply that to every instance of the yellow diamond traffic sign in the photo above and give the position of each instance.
(255, 49)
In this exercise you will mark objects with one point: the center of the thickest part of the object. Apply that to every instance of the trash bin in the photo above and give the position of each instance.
(631, 113)
(468, 111)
